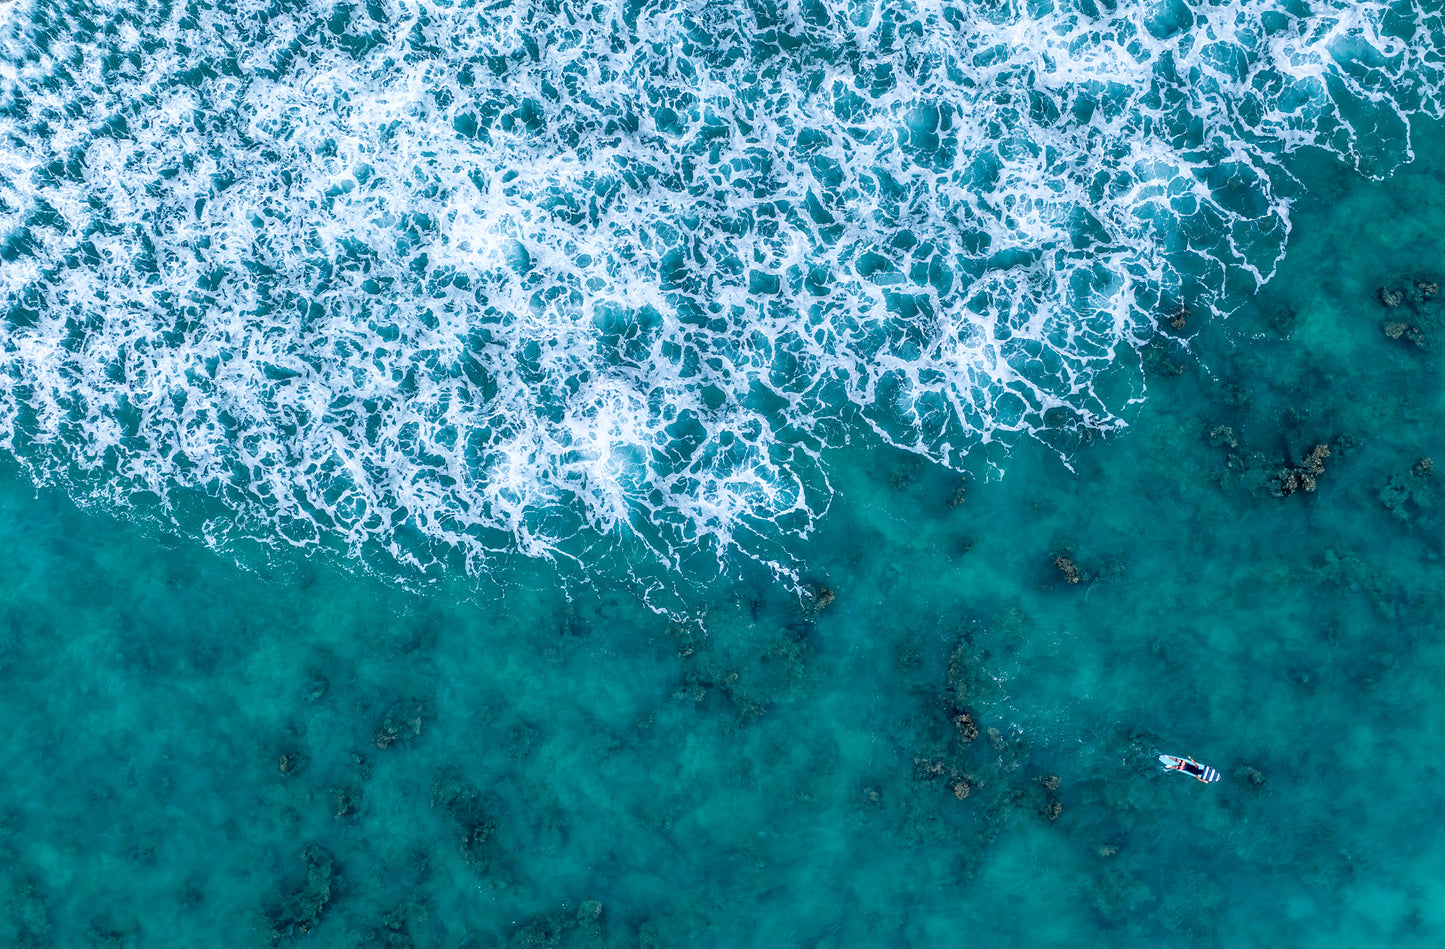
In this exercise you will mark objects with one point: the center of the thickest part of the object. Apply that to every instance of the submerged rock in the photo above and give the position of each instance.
(958, 493)
(317, 689)
(1250, 776)
(1223, 436)
(398, 926)
(1397, 329)
(467, 806)
(929, 767)
(823, 598)
(1282, 318)
(1416, 315)
(300, 911)
(402, 722)
(343, 801)
(958, 781)
(965, 725)
(1049, 806)
(1164, 357)
(1409, 491)
(1301, 477)
(546, 929)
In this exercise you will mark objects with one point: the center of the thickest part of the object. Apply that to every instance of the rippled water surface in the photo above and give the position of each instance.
(720, 474)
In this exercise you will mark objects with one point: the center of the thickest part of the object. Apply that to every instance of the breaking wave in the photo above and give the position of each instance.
(453, 278)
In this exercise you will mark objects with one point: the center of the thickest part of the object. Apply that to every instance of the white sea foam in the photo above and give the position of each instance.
(448, 278)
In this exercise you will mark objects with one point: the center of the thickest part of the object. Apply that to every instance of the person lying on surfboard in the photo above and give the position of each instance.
(1190, 767)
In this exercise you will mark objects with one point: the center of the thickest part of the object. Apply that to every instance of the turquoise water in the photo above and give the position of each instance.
(239, 712)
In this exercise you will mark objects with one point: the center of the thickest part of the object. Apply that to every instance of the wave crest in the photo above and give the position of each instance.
(477, 277)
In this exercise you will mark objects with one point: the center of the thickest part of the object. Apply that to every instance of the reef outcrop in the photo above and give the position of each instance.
(466, 805)
(563, 926)
(959, 493)
(1410, 491)
(291, 763)
(402, 722)
(1301, 477)
(1412, 316)
(1049, 807)
(964, 724)
(299, 912)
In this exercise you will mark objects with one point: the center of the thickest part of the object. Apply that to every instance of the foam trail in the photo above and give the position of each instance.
(449, 279)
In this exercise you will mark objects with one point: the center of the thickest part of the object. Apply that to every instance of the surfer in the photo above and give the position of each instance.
(1190, 767)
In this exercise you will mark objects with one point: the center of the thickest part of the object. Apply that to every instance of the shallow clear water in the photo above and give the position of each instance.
(218, 738)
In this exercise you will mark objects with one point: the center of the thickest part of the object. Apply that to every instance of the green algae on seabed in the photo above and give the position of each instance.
(959, 746)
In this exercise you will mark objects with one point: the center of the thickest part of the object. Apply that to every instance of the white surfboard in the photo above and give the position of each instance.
(1190, 767)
